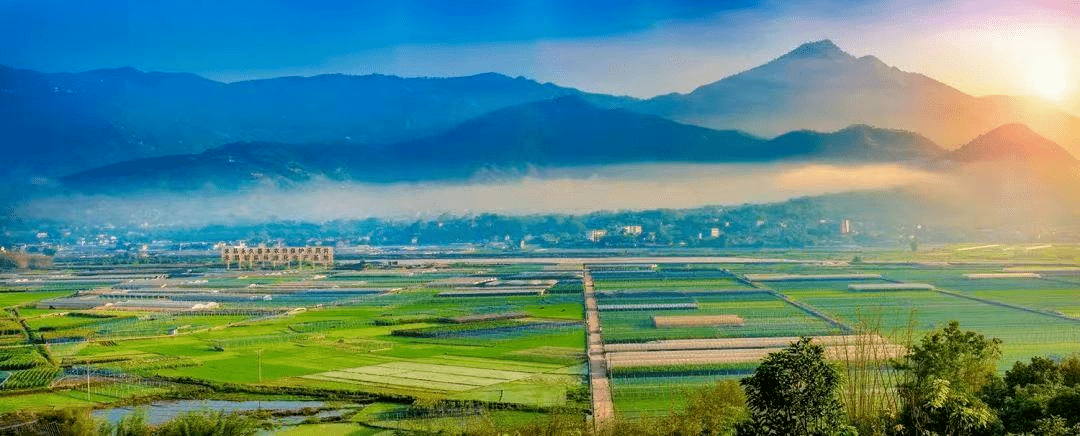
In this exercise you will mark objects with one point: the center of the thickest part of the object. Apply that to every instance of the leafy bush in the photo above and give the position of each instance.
(64, 422)
(131, 425)
(209, 424)
(795, 392)
(942, 378)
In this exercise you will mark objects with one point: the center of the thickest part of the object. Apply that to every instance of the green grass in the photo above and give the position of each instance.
(9, 299)
(44, 401)
(331, 429)
(385, 415)
(277, 361)
(650, 396)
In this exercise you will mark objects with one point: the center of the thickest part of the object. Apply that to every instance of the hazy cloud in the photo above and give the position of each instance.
(624, 187)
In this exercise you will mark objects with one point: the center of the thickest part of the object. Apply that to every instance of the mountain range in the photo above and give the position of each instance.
(562, 132)
(557, 133)
(124, 130)
(818, 86)
(56, 124)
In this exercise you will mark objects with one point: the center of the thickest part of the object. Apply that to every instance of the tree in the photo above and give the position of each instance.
(1040, 397)
(1070, 371)
(1041, 371)
(1021, 399)
(717, 409)
(1022, 408)
(1055, 426)
(795, 392)
(1066, 405)
(942, 376)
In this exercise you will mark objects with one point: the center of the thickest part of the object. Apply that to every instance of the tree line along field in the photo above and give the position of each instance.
(395, 341)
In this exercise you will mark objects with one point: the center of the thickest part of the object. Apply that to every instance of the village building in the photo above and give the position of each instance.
(262, 257)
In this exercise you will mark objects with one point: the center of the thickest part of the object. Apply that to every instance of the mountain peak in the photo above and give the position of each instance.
(824, 49)
(1014, 130)
(1014, 141)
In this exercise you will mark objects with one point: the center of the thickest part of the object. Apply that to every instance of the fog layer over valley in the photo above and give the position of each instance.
(574, 190)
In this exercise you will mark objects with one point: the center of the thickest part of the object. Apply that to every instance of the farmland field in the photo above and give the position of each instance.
(763, 315)
(318, 330)
(385, 338)
(823, 304)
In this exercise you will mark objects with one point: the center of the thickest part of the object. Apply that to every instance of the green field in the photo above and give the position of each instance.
(346, 344)
(899, 315)
(12, 298)
(764, 315)
(651, 396)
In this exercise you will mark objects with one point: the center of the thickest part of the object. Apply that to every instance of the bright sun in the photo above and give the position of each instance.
(1048, 79)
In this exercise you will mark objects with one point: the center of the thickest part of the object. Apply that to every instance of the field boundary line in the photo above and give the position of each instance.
(1007, 305)
(800, 305)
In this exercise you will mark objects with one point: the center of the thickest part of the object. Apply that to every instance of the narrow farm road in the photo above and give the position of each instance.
(603, 409)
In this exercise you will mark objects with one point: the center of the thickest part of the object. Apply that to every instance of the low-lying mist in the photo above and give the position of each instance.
(578, 190)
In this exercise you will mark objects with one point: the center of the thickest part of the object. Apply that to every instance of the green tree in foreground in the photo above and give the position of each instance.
(795, 392)
(1041, 397)
(943, 375)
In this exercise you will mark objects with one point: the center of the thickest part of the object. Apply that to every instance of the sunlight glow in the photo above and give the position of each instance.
(1048, 78)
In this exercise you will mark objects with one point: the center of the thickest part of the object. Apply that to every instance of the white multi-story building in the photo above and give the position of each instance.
(596, 234)
(259, 257)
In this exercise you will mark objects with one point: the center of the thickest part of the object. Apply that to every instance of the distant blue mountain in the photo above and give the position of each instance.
(562, 132)
(53, 124)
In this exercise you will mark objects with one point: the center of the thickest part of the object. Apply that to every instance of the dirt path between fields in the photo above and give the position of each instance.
(602, 408)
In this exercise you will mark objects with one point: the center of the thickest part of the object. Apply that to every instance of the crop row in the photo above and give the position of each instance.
(253, 341)
(569, 286)
(682, 370)
(484, 317)
(328, 324)
(20, 358)
(669, 283)
(30, 378)
(489, 330)
(156, 363)
(763, 315)
(455, 329)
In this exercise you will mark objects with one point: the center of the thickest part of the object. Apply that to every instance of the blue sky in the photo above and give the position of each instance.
(244, 34)
(641, 48)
